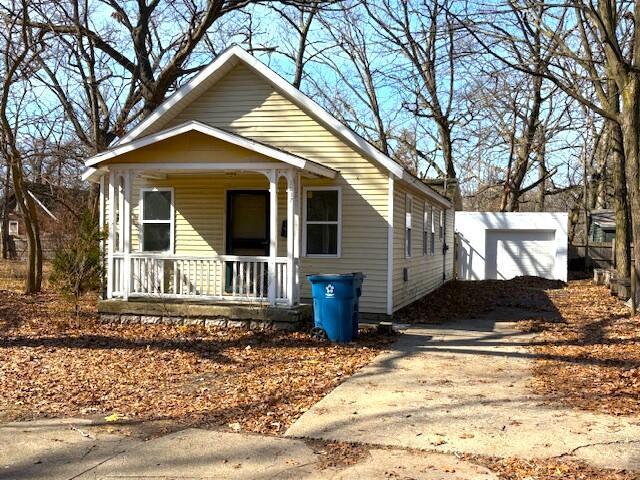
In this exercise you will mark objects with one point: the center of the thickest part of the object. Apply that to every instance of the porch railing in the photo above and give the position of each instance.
(222, 277)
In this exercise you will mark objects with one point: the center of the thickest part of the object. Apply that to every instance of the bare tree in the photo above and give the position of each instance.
(18, 47)
(425, 35)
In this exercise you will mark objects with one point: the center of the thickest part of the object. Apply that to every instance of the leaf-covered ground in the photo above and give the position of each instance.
(54, 365)
(591, 359)
(473, 299)
(548, 469)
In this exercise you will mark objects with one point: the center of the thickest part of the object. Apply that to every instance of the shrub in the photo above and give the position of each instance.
(77, 265)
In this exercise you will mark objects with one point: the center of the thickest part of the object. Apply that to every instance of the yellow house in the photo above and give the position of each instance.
(238, 186)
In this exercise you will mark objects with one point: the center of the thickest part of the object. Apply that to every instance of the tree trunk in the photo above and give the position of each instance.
(542, 173)
(33, 282)
(5, 217)
(631, 140)
(444, 131)
(623, 220)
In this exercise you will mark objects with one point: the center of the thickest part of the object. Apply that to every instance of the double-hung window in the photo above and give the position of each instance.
(408, 221)
(432, 243)
(322, 221)
(156, 219)
(13, 227)
(441, 224)
(425, 230)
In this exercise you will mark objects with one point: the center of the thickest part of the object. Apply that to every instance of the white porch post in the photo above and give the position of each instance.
(292, 272)
(273, 234)
(126, 234)
(111, 237)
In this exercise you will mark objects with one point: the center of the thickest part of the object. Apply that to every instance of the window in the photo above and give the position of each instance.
(13, 227)
(425, 231)
(408, 221)
(322, 212)
(156, 218)
(441, 231)
(432, 243)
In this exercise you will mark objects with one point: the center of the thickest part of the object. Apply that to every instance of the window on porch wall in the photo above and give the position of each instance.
(156, 220)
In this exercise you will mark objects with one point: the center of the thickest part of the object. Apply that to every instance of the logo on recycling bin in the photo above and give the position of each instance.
(329, 289)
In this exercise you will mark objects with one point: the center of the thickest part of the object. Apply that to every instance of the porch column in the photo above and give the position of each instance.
(273, 233)
(111, 235)
(126, 233)
(291, 234)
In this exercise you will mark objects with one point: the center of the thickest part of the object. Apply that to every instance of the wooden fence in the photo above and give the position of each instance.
(598, 255)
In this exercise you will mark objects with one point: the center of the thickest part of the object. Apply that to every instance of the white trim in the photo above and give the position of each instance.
(273, 234)
(408, 220)
(338, 222)
(291, 206)
(425, 230)
(126, 234)
(9, 229)
(390, 246)
(171, 221)
(195, 126)
(111, 236)
(432, 238)
(229, 58)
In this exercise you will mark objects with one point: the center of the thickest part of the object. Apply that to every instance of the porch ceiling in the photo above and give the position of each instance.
(96, 168)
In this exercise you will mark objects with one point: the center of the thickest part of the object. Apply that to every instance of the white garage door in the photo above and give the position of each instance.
(511, 253)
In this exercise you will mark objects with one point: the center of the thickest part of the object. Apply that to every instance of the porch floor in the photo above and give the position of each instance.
(200, 312)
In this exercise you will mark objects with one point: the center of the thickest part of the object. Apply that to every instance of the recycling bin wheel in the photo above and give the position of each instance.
(318, 334)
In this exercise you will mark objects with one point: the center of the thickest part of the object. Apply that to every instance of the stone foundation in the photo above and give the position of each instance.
(205, 315)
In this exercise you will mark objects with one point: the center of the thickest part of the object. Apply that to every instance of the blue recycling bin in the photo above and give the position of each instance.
(335, 301)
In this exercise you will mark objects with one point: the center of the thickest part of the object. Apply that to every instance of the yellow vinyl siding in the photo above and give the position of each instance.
(244, 104)
(200, 210)
(424, 271)
(190, 147)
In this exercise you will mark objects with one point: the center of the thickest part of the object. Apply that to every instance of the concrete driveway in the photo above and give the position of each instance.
(462, 387)
(73, 449)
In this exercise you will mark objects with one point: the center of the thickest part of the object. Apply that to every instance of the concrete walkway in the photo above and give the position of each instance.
(74, 449)
(462, 387)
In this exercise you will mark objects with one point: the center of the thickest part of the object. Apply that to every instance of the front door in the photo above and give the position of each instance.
(247, 222)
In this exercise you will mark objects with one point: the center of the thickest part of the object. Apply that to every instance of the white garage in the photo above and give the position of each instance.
(506, 245)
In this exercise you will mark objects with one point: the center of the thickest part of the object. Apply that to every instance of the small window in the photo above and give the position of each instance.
(156, 216)
(408, 224)
(432, 243)
(322, 221)
(13, 227)
(441, 231)
(425, 231)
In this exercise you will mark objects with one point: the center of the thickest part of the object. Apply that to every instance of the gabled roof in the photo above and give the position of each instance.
(228, 60)
(195, 126)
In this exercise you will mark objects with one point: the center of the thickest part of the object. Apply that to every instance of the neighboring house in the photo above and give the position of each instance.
(52, 214)
(238, 186)
(506, 245)
(602, 226)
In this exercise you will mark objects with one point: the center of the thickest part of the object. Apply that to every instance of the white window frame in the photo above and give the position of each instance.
(441, 231)
(142, 221)
(10, 230)
(337, 222)
(432, 243)
(408, 225)
(425, 230)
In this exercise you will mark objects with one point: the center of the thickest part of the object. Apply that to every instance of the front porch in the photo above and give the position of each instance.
(212, 232)
(151, 250)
